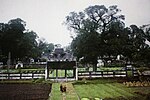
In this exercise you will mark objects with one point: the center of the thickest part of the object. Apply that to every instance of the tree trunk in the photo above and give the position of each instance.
(94, 67)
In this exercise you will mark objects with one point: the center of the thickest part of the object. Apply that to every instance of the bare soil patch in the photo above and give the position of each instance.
(24, 91)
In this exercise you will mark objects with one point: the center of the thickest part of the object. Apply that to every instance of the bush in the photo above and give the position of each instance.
(137, 84)
(40, 80)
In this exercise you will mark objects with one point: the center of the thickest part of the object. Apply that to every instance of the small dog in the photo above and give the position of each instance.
(62, 88)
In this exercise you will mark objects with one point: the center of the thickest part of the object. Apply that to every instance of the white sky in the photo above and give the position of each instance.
(45, 17)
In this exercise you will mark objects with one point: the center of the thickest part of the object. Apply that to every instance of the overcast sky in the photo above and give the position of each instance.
(45, 17)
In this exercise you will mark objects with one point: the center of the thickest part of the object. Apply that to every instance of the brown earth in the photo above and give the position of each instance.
(24, 91)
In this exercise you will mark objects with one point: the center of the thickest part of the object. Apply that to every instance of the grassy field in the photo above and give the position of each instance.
(106, 89)
(102, 89)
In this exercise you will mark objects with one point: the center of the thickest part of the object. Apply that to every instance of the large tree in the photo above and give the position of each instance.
(136, 48)
(14, 38)
(113, 40)
(11, 35)
(44, 47)
(91, 25)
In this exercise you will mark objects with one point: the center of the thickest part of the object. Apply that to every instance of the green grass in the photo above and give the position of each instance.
(101, 68)
(70, 94)
(108, 89)
(55, 93)
(20, 70)
(109, 68)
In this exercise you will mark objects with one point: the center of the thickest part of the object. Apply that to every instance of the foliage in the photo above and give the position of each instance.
(20, 42)
(137, 84)
(90, 26)
(40, 80)
(44, 47)
(15, 39)
(101, 34)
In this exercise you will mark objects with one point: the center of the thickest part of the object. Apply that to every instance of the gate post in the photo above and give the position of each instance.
(65, 73)
(46, 72)
(56, 73)
(76, 71)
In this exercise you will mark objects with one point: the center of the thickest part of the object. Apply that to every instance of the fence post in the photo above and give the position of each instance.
(32, 75)
(126, 73)
(102, 73)
(56, 73)
(20, 75)
(65, 73)
(46, 72)
(90, 74)
(132, 72)
(8, 76)
(113, 73)
(76, 72)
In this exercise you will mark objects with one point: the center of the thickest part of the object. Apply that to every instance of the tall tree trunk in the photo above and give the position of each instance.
(95, 67)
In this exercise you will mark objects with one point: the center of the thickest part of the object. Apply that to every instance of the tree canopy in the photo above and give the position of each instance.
(19, 41)
(101, 34)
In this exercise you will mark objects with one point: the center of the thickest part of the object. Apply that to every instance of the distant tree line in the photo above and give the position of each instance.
(20, 42)
(101, 34)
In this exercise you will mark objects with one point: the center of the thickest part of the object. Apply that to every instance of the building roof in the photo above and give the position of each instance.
(59, 51)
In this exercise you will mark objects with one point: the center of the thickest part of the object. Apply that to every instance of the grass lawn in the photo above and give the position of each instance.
(55, 93)
(108, 89)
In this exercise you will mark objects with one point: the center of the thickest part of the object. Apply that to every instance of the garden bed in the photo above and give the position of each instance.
(24, 91)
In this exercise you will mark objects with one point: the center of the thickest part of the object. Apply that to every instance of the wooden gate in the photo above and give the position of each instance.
(61, 70)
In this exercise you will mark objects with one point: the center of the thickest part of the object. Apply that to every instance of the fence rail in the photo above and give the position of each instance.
(30, 74)
(20, 75)
(117, 73)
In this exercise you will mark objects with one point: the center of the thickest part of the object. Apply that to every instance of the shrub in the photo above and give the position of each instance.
(40, 80)
(138, 83)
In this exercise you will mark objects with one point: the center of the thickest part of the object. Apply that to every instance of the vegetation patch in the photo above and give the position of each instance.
(109, 90)
(57, 94)
(137, 84)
